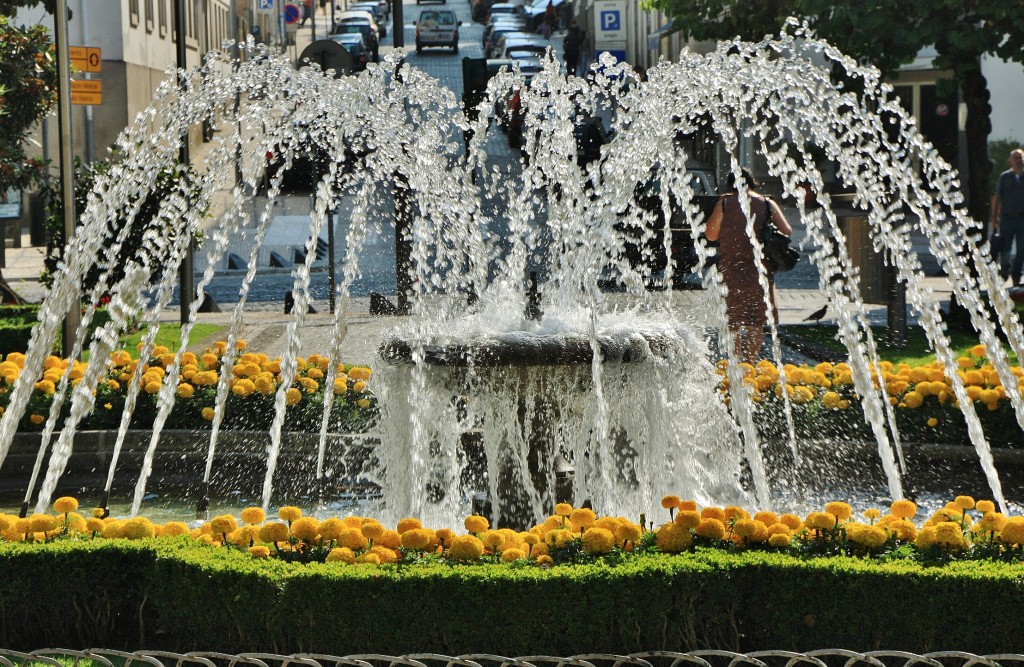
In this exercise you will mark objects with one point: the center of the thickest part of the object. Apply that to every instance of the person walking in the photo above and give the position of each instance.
(745, 299)
(545, 30)
(571, 44)
(1008, 217)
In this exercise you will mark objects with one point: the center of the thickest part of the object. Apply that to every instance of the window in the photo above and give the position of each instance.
(149, 16)
(162, 9)
(133, 12)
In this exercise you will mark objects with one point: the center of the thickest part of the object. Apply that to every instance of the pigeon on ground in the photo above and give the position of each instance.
(817, 315)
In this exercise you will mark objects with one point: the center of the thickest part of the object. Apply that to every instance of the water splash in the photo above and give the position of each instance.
(479, 224)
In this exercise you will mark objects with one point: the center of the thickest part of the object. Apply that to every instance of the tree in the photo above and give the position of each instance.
(28, 89)
(888, 33)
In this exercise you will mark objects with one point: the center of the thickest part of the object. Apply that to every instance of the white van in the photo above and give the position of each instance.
(437, 27)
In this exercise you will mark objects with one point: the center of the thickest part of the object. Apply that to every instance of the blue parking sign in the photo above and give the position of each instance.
(611, 19)
(265, 5)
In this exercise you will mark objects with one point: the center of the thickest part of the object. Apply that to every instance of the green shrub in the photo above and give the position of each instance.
(175, 594)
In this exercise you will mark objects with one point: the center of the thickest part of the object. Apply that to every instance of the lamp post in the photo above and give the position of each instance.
(186, 273)
(73, 317)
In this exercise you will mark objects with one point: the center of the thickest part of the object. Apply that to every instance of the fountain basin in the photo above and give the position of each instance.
(521, 348)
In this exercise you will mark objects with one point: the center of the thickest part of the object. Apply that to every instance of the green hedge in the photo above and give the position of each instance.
(171, 594)
(16, 324)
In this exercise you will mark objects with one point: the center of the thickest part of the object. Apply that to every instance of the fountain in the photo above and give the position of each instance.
(617, 383)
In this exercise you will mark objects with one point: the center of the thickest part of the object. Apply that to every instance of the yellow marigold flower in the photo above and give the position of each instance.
(979, 351)
(871, 537)
(207, 413)
(913, 400)
(341, 555)
(139, 528)
(991, 522)
(477, 523)
(65, 504)
(904, 509)
(444, 537)
(985, 506)
(274, 532)
(872, 514)
(842, 511)
(582, 518)
(372, 530)
(113, 385)
(363, 403)
(408, 523)
(964, 502)
(949, 535)
(670, 502)
(175, 528)
(744, 527)
(360, 373)
(563, 509)
(688, 519)
(289, 513)
(628, 532)
(1013, 531)
(306, 528)
(36, 418)
(821, 521)
(512, 555)
(292, 396)
(599, 541)
(185, 390)
(711, 528)
(331, 529)
(340, 386)
(46, 386)
(43, 523)
(545, 560)
(369, 559)
(492, 539)
(253, 515)
(225, 523)
(352, 538)
(265, 386)
(831, 399)
(315, 373)
(259, 551)
(558, 538)
(416, 538)
(713, 513)
(466, 548)
(94, 525)
(673, 538)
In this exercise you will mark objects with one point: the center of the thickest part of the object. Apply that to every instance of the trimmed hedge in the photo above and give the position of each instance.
(177, 595)
(16, 323)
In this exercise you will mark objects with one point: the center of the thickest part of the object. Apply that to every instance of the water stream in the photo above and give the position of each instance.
(633, 431)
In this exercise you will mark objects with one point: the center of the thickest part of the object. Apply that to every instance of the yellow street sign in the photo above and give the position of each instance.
(86, 58)
(86, 92)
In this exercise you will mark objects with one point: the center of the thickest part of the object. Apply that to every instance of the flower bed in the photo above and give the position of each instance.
(824, 400)
(716, 577)
(255, 381)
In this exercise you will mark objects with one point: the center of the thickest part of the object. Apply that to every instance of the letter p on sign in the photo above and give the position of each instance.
(611, 20)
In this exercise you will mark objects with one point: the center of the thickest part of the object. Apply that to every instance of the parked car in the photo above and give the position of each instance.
(503, 22)
(363, 24)
(504, 8)
(355, 44)
(519, 45)
(375, 9)
(437, 27)
(375, 12)
(494, 31)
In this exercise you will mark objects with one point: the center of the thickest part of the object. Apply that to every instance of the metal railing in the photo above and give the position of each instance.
(58, 657)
